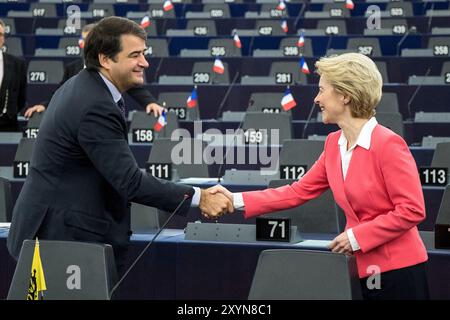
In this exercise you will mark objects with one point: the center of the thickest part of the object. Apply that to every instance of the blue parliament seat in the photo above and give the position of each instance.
(156, 11)
(266, 102)
(177, 102)
(45, 71)
(6, 202)
(264, 44)
(189, 164)
(157, 48)
(94, 260)
(13, 46)
(141, 129)
(441, 157)
(212, 11)
(268, 10)
(289, 274)
(10, 26)
(201, 73)
(281, 73)
(98, 11)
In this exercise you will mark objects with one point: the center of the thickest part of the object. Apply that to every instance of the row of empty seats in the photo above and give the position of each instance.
(270, 9)
(245, 27)
(202, 73)
(226, 47)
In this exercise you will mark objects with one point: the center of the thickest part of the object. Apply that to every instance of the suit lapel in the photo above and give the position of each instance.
(7, 72)
(339, 183)
(103, 84)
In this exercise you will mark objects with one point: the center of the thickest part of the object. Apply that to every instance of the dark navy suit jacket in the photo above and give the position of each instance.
(83, 175)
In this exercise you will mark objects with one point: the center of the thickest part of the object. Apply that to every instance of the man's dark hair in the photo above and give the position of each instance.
(88, 27)
(105, 37)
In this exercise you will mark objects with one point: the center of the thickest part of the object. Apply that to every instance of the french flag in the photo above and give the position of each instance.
(281, 5)
(301, 41)
(81, 42)
(349, 4)
(145, 22)
(304, 66)
(218, 66)
(284, 26)
(162, 121)
(192, 100)
(288, 101)
(168, 5)
(237, 41)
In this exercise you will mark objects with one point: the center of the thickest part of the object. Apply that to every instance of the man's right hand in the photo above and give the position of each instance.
(36, 108)
(214, 205)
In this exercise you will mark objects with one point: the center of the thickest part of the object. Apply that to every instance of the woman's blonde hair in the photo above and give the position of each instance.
(355, 76)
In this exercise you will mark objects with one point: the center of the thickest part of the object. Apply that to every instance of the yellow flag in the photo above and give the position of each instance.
(37, 278)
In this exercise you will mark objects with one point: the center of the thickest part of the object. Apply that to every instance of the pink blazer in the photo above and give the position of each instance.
(381, 196)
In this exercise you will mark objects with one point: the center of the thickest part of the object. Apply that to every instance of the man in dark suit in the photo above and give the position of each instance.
(141, 95)
(13, 81)
(82, 174)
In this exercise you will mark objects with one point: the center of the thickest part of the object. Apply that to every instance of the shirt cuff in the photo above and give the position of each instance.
(353, 242)
(196, 197)
(238, 201)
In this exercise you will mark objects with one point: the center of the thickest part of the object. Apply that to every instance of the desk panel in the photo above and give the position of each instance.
(176, 268)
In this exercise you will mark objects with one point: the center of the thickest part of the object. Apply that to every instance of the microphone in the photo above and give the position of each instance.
(328, 43)
(251, 102)
(222, 103)
(186, 196)
(308, 120)
(161, 61)
(300, 15)
(412, 29)
(416, 91)
(431, 16)
(168, 48)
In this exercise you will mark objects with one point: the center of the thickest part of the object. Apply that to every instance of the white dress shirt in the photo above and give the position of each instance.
(363, 141)
(116, 97)
(2, 68)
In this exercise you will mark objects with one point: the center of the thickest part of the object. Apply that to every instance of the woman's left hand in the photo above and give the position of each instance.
(341, 244)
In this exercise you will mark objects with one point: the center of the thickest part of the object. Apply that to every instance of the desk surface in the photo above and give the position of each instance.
(175, 268)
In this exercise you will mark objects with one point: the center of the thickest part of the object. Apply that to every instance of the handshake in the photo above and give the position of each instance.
(215, 202)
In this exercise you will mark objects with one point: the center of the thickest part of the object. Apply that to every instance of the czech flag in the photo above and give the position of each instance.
(192, 100)
(167, 6)
(349, 4)
(284, 26)
(301, 41)
(218, 66)
(145, 22)
(288, 101)
(304, 66)
(162, 121)
(81, 42)
(237, 41)
(281, 5)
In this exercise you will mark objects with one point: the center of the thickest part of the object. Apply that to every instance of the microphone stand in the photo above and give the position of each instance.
(416, 91)
(250, 104)
(148, 245)
(308, 120)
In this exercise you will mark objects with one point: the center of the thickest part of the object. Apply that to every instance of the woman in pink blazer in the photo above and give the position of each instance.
(373, 177)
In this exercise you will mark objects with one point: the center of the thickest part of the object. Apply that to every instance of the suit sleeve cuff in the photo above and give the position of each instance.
(196, 197)
(353, 242)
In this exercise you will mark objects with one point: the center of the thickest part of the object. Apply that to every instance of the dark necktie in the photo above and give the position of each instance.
(121, 105)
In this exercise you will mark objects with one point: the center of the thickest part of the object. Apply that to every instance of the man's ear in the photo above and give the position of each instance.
(104, 61)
